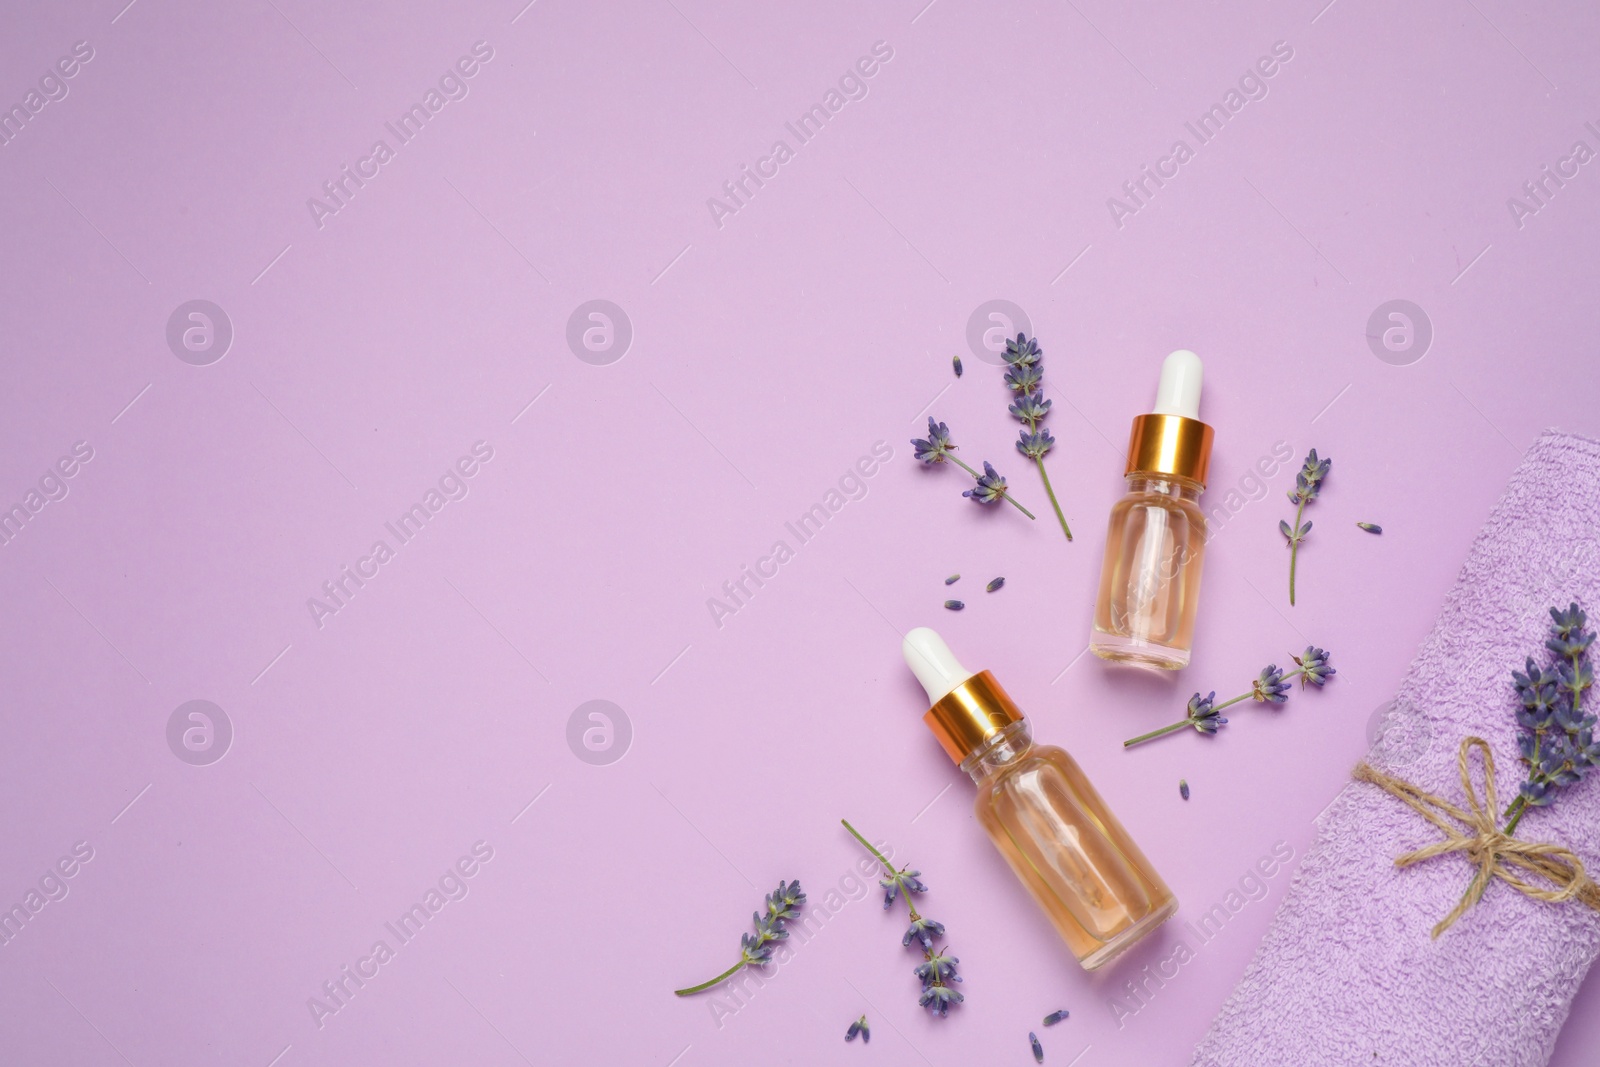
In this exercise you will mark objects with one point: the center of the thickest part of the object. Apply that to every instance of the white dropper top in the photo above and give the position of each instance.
(931, 660)
(1179, 391)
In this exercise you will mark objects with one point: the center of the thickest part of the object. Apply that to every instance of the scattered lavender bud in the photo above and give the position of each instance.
(1024, 378)
(1035, 445)
(1030, 407)
(955, 361)
(924, 930)
(936, 447)
(1313, 667)
(938, 998)
(1370, 527)
(996, 584)
(1308, 483)
(936, 967)
(1038, 1049)
(991, 486)
(859, 1027)
(1056, 1017)
(1270, 687)
(1183, 788)
(953, 579)
(954, 605)
(1023, 352)
(904, 879)
(1203, 713)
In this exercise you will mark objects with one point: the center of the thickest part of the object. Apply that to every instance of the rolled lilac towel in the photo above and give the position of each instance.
(1349, 973)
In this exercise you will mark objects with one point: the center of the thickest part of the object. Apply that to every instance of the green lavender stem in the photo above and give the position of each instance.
(957, 461)
(1153, 734)
(1294, 547)
(1188, 720)
(1520, 804)
(1019, 507)
(723, 977)
(1007, 494)
(1514, 814)
(1051, 493)
(1033, 427)
(887, 866)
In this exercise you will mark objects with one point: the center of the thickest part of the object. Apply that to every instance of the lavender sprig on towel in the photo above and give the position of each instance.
(1347, 970)
(1558, 745)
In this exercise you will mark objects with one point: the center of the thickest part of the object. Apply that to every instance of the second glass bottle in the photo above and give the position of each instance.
(1156, 540)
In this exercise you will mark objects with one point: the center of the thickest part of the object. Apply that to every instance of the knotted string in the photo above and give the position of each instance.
(1490, 850)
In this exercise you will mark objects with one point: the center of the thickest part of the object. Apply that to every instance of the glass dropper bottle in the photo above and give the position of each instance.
(1156, 537)
(1055, 831)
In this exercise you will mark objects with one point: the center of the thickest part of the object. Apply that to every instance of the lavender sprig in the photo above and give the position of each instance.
(754, 949)
(1559, 745)
(991, 487)
(937, 971)
(1026, 378)
(1307, 485)
(938, 448)
(1270, 687)
(938, 968)
(1202, 715)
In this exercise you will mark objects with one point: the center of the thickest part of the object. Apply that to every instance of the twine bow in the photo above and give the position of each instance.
(1493, 852)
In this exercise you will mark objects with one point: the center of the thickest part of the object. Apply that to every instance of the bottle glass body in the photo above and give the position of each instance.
(1150, 578)
(1097, 888)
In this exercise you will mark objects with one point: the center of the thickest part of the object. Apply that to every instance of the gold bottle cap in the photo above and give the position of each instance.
(1170, 444)
(968, 716)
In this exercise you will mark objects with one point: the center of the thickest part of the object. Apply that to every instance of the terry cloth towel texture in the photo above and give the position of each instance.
(1348, 973)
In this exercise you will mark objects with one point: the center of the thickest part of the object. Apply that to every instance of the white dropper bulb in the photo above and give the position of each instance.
(1179, 391)
(931, 660)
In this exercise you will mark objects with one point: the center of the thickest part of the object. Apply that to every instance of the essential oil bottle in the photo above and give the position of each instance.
(1156, 541)
(1061, 840)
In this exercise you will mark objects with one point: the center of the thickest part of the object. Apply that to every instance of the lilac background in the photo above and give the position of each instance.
(768, 354)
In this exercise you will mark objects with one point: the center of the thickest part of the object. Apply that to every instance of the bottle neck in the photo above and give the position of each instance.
(1002, 750)
(1167, 485)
